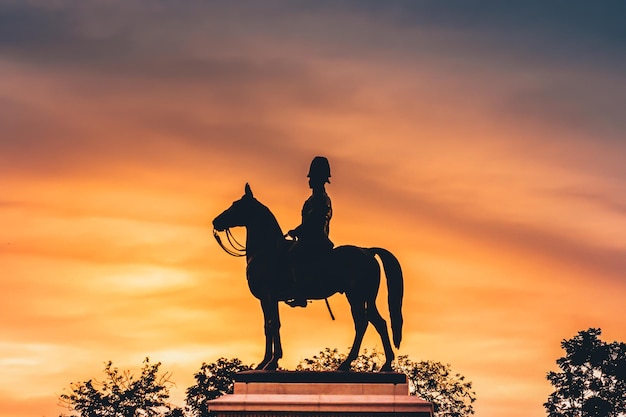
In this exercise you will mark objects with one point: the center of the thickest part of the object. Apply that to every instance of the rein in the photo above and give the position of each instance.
(236, 249)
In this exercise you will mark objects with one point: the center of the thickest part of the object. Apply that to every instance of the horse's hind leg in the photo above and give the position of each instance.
(380, 324)
(360, 325)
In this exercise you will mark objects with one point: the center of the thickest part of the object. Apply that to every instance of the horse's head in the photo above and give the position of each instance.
(237, 214)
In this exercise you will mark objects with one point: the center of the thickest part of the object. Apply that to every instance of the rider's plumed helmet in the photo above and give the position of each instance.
(320, 169)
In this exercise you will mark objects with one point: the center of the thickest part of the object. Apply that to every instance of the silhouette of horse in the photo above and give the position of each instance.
(350, 270)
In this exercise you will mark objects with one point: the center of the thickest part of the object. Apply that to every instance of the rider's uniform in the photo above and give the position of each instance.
(313, 233)
(310, 253)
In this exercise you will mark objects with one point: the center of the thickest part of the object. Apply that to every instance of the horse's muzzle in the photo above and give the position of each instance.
(217, 225)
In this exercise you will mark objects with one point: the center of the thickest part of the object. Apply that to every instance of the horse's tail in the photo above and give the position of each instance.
(395, 290)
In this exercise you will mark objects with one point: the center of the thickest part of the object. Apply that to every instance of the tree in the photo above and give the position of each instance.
(592, 380)
(450, 393)
(212, 381)
(121, 394)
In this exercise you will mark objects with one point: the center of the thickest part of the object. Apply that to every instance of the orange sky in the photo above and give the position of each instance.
(489, 161)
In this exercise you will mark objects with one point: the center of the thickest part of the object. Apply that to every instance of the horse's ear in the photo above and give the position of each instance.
(248, 191)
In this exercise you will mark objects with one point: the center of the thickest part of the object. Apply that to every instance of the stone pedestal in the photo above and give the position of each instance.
(320, 394)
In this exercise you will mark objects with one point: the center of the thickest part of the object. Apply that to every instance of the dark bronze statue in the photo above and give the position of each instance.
(273, 261)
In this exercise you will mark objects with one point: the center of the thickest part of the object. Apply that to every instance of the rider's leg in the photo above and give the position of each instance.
(297, 260)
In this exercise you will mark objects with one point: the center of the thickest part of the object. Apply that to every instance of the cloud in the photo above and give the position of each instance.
(55, 36)
(478, 142)
(94, 34)
(577, 103)
(528, 237)
(614, 203)
(27, 405)
(558, 32)
(185, 74)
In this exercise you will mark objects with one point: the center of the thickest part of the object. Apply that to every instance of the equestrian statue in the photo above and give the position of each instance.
(309, 267)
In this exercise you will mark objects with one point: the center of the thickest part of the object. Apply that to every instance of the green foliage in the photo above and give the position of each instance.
(330, 359)
(121, 394)
(450, 393)
(592, 380)
(327, 360)
(212, 381)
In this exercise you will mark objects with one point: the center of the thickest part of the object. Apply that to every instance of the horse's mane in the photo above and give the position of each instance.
(266, 219)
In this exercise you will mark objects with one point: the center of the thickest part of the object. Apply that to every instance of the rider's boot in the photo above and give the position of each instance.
(299, 300)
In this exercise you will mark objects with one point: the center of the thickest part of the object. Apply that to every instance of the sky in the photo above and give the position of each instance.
(480, 142)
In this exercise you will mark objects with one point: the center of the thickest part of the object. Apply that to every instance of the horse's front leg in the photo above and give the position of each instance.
(274, 331)
(268, 336)
(273, 347)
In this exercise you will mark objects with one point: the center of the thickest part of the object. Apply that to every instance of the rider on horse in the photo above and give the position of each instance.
(312, 247)
(348, 269)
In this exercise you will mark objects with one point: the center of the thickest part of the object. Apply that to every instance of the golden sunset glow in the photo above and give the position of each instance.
(490, 165)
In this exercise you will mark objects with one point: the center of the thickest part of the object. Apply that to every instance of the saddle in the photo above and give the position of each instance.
(309, 267)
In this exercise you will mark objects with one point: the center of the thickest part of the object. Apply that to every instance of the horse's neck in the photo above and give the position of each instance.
(264, 232)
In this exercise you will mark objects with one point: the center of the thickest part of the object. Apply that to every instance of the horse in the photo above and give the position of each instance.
(350, 270)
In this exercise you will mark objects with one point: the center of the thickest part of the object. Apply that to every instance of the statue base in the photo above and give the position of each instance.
(313, 394)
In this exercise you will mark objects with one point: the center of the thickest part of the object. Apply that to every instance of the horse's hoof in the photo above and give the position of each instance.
(272, 366)
(344, 367)
(386, 368)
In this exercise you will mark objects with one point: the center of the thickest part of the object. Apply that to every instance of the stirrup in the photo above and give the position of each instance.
(297, 302)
